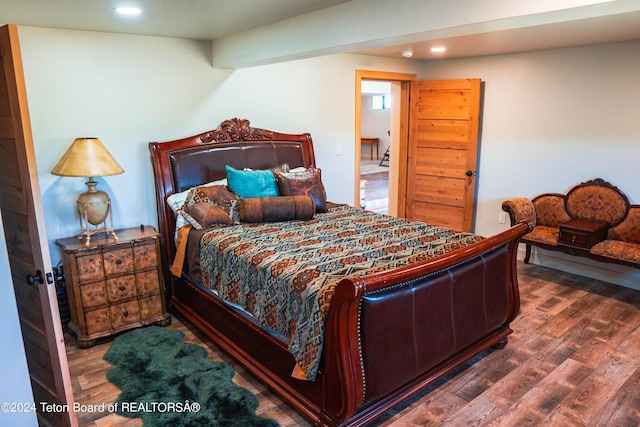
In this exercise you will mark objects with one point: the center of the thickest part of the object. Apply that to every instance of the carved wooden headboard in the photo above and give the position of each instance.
(184, 163)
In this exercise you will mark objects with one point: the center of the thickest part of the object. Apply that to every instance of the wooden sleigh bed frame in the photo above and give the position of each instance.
(388, 335)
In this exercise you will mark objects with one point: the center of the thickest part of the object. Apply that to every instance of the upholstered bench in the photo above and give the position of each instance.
(594, 219)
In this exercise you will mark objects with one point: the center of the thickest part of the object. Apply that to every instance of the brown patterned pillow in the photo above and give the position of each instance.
(216, 196)
(204, 215)
(304, 183)
(209, 194)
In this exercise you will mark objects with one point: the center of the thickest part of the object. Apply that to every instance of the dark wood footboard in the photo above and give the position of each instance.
(392, 334)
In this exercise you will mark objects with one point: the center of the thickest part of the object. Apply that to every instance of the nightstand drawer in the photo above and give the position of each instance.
(118, 261)
(90, 266)
(125, 314)
(98, 320)
(150, 307)
(148, 283)
(574, 238)
(121, 288)
(144, 252)
(94, 294)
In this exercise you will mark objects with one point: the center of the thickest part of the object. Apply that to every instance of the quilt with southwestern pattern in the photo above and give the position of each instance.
(284, 273)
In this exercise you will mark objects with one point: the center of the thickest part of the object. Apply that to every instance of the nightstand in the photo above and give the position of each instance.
(114, 285)
(582, 233)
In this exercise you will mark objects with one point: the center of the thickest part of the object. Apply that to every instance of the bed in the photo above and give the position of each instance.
(387, 333)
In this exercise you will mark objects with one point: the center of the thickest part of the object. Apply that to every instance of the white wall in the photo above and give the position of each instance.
(553, 119)
(126, 91)
(129, 90)
(16, 387)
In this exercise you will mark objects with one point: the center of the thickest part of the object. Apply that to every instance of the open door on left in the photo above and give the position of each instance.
(26, 238)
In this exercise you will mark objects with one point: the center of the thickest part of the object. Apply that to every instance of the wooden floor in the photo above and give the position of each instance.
(376, 192)
(377, 185)
(573, 360)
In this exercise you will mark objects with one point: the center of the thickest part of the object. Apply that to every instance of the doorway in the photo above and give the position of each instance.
(375, 127)
(391, 184)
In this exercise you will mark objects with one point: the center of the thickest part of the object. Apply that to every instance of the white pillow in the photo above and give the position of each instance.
(298, 169)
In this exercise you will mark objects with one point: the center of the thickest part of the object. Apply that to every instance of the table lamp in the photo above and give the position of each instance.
(87, 157)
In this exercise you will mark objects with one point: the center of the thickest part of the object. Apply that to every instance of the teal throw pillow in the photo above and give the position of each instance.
(252, 183)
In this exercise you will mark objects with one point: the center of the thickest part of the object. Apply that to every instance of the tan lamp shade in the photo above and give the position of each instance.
(87, 157)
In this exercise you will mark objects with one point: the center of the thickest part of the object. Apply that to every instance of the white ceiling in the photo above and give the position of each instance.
(602, 29)
(605, 21)
(191, 19)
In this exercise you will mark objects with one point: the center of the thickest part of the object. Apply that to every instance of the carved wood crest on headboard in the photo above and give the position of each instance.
(235, 130)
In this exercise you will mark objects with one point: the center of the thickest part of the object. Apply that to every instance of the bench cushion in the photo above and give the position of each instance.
(543, 234)
(616, 249)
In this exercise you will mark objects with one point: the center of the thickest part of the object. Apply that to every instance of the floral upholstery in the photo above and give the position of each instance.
(550, 210)
(623, 242)
(623, 251)
(522, 210)
(595, 200)
(543, 234)
(629, 229)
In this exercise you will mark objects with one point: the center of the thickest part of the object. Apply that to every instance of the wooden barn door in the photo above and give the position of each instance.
(27, 245)
(442, 151)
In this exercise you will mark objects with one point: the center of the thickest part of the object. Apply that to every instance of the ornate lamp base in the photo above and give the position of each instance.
(85, 231)
(94, 206)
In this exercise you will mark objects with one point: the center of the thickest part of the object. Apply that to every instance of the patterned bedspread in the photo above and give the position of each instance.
(284, 273)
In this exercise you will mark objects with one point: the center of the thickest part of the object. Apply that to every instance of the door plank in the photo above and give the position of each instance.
(441, 162)
(444, 104)
(436, 133)
(435, 190)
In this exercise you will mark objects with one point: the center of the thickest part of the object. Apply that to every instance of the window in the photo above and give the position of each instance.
(381, 102)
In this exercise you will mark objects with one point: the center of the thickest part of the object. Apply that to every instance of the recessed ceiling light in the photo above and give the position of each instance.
(438, 49)
(128, 10)
(407, 53)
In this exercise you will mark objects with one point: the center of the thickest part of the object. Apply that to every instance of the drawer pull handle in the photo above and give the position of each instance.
(573, 239)
(118, 261)
(125, 314)
(122, 287)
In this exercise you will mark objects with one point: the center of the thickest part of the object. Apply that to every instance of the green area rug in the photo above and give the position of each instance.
(168, 382)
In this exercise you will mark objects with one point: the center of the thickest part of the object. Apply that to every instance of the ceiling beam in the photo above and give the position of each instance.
(367, 24)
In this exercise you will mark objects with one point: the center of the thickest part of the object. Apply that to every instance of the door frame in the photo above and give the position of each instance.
(398, 162)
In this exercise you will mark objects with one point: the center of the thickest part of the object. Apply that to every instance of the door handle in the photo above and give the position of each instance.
(38, 278)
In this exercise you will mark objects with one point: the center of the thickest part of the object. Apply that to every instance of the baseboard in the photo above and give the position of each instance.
(610, 273)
